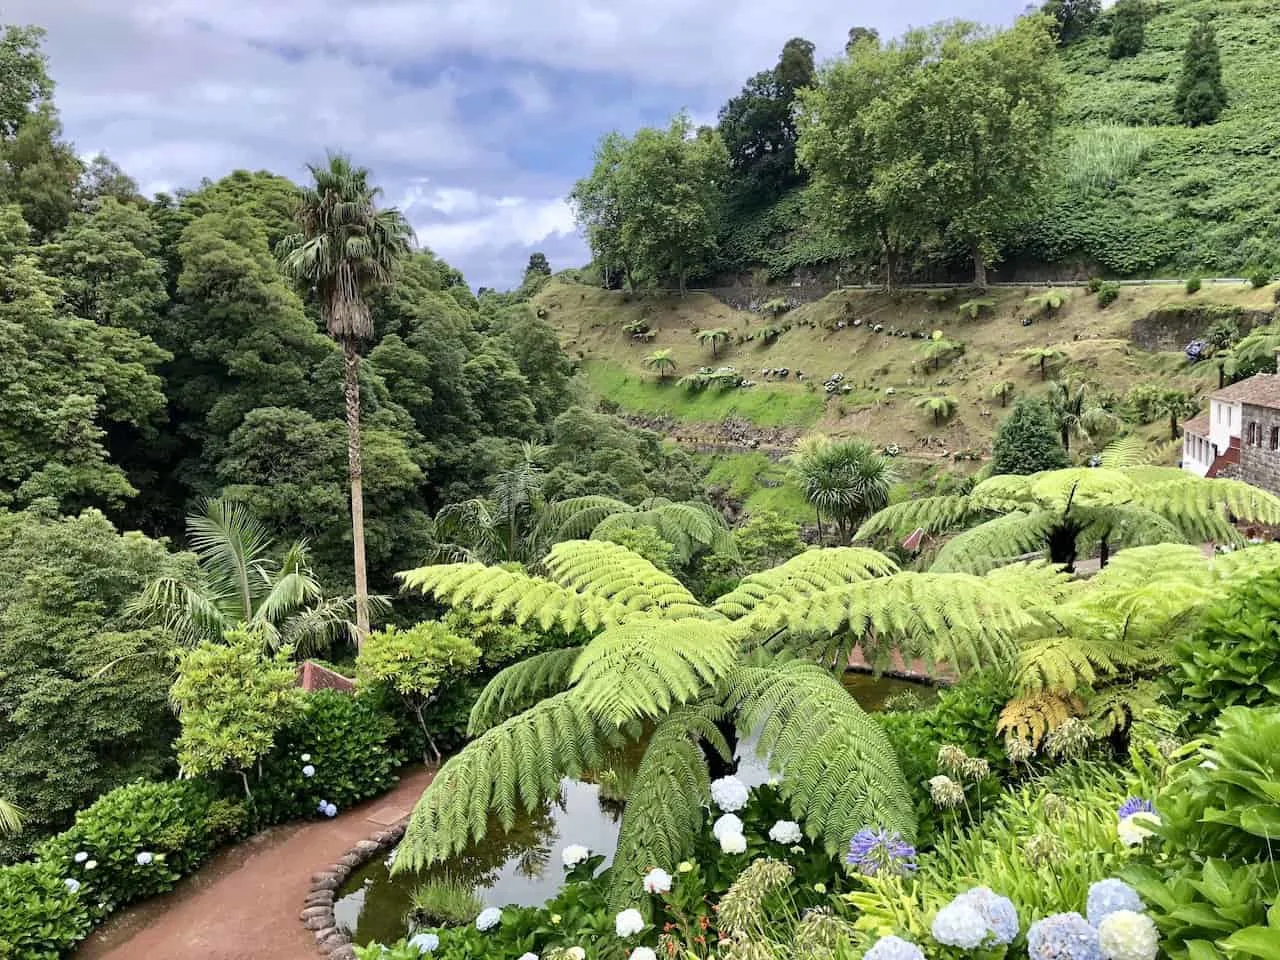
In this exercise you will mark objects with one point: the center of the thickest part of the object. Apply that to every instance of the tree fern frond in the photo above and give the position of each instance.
(933, 514)
(520, 686)
(1119, 709)
(503, 595)
(612, 573)
(804, 575)
(995, 543)
(690, 528)
(1065, 664)
(665, 806)
(1250, 561)
(1031, 719)
(1133, 567)
(644, 668)
(514, 766)
(1201, 507)
(574, 519)
(1036, 583)
(1130, 451)
(840, 771)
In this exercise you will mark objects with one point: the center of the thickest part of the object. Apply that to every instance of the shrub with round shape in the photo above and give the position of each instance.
(1063, 936)
(1109, 896)
(999, 912)
(959, 925)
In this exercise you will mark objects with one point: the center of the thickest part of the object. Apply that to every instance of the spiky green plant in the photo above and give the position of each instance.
(660, 660)
(976, 307)
(714, 339)
(661, 362)
(844, 481)
(1048, 302)
(941, 407)
(10, 818)
(1043, 358)
(936, 350)
(444, 902)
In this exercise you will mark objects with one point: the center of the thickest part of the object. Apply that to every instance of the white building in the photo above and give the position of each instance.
(1211, 442)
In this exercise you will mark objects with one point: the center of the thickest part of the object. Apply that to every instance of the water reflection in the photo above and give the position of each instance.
(523, 866)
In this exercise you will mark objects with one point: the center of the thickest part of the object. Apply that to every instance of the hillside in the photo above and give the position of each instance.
(1134, 192)
(886, 372)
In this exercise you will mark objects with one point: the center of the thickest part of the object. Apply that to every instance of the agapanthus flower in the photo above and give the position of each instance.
(730, 794)
(1042, 848)
(72, 884)
(1109, 896)
(951, 758)
(999, 912)
(729, 823)
(873, 851)
(628, 923)
(1071, 738)
(1128, 935)
(424, 942)
(144, 859)
(945, 792)
(1018, 750)
(894, 948)
(1055, 808)
(489, 918)
(975, 769)
(1063, 936)
(657, 880)
(785, 831)
(1134, 805)
(80, 857)
(573, 855)
(308, 771)
(1134, 829)
(643, 953)
(958, 925)
(733, 843)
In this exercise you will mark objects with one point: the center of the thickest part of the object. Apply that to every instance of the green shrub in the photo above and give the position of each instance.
(445, 902)
(1027, 441)
(353, 744)
(1128, 29)
(1095, 284)
(1108, 294)
(1233, 659)
(40, 917)
(178, 823)
(1193, 285)
(1260, 279)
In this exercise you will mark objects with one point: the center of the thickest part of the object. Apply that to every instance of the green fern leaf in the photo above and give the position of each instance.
(520, 686)
(608, 572)
(802, 576)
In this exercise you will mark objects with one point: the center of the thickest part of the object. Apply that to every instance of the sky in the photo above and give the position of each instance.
(475, 116)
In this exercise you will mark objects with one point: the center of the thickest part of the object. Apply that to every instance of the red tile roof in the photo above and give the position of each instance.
(1262, 390)
(1200, 426)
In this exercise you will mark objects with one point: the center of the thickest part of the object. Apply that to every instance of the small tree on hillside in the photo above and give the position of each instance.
(1026, 441)
(1176, 405)
(418, 664)
(940, 407)
(1077, 412)
(1002, 391)
(715, 338)
(1043, 358)
(1201, 96)
(766, 540)
(660, 362)
(1128, 29)
(940, 349)
(1073, 17)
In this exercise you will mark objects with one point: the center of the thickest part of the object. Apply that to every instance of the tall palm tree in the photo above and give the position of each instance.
(346, 248)
(846, 481)
(238, 581)
(10, 818)
(1077, 412)
(661, 362)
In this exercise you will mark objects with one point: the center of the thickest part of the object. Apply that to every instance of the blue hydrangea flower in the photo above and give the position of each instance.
(1109, 896)
(1064, 936)
(424, 942)
(871, 851)
(999, 912)
(1134, 805)
(959, 925)
(894, 948)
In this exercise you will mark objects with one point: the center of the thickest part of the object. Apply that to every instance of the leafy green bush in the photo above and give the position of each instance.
(1128, 29)
(1193, 285)
(444, 903)
(1260, 279)
(139, 840)
(41, 917)
(1233, 659)
(1108, 294)
(1027, 441)
(1095, 284)
(351, 743)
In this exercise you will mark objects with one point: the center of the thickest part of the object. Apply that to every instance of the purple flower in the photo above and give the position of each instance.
(1135, 805)
(871, 851)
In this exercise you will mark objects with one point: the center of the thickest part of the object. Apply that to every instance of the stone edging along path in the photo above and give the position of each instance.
(317, 912)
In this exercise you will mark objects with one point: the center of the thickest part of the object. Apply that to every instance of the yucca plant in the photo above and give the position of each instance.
(10, 818)
(659, 660)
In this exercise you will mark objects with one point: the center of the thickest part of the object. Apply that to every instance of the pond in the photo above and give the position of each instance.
(522, 866)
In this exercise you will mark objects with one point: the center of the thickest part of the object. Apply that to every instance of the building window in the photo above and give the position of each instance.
(1275, 438)
(1254, 433)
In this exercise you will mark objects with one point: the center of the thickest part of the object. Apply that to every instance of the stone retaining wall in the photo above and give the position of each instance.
(317, 912)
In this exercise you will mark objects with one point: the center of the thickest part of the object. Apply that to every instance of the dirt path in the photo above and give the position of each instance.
(244, 903)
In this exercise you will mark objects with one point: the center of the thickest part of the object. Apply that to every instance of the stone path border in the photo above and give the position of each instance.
(317, 911)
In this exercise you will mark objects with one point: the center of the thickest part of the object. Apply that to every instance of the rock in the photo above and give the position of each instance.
(367, 847)
(329, 937)
(319, 898)
(351, 860)
(346, 952)
(325, 880)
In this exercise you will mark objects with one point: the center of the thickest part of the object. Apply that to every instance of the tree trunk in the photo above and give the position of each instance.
(1066, 438)
(1104, 553)
(1004, 398)
(355, 469)
(979, 267)
(1173, 424)
(1222, 376)
(1044, 370)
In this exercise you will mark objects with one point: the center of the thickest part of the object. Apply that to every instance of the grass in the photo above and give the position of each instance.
(759, 483)
(444, 903)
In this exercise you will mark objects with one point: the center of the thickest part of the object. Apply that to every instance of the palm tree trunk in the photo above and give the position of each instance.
(355, 470)
(1066, 438)
(979, 267)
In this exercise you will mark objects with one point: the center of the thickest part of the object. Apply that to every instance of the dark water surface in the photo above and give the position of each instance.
(522, 866)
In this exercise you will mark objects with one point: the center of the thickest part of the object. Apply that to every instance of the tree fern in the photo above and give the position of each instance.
(933, 514)
(575, 518)
(840, 773)
(520, 686)
(666, 804)
(804, 575)
(691, 528)
(995, 543)
(1031, 718)
(515, 765)
(612, 573)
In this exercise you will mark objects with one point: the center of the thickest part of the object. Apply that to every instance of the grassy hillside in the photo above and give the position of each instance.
(887, 372)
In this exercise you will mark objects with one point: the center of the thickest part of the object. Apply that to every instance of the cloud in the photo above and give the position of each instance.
(477, 114)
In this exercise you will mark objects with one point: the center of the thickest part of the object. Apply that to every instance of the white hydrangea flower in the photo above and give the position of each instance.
(489, 918)
(628, 923)
(305, 758)
(80, 857)
(1126, 935)
(308, 771)
(730, 794)
(657, 880)
(529, 956)
(959, 925)
(91, 865)
(72, 884)
(643, 953)
(424, 942)
(573, 855)
(785, 831)
(894, 948)
(576, 953)
(145, 858)
(1135, 828)
(729, 823)
(733, 843)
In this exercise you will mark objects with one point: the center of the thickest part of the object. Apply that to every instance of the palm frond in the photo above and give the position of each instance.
(520, 686)
(10, 818)
(229, 542)
(189, 612)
